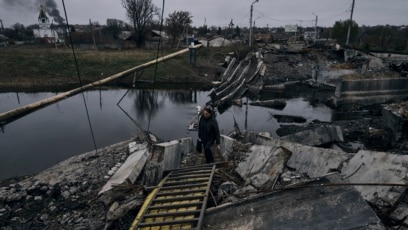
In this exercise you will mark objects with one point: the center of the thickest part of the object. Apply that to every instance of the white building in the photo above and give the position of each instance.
(44, 31)
(216, 41)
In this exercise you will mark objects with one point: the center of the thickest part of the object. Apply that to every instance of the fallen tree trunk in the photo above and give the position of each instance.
(16, 113)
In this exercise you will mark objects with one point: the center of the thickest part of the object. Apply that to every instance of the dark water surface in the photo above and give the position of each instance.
(54, 133)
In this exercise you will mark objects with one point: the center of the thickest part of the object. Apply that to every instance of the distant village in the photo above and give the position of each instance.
(117, 34)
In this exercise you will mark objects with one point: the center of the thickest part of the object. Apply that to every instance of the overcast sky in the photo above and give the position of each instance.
(270, 13)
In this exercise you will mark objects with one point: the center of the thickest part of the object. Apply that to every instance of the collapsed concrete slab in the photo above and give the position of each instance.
(370, 91)
(318, 136)
(378, 167)
(307, 208)
(128, 172)
(313, 161)
(381, 167)
(165, 156)
(330, 76)
(266, 160)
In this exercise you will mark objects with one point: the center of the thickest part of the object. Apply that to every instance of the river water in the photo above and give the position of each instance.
(54, 133)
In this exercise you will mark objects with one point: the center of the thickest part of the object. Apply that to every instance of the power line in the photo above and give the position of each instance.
(155, 69)
(79, 77)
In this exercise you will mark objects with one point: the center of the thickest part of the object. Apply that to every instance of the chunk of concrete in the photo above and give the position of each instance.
(378, 167)
(186, 145)
(313, 161)
(268, 160)
(315, 137)
(226, 146)
(395, 116)
(227, 188)
(261, 181)
(399, 215)
(131, 169)
(243, 192)
(165, 156)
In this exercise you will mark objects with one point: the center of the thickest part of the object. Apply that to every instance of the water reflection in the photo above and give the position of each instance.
(56, 132)
(146, 103)
(182, 96)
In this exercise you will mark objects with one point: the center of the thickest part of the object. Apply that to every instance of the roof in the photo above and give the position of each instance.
(42, 13)
(159, 33)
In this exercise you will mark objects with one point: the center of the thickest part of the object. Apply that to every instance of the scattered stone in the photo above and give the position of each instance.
(44, 217)
(227, 188)
(38, 198)
(66, 194)
(73, 190)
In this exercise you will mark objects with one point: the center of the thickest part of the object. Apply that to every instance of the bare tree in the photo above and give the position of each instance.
(140, 14)
(176, 23)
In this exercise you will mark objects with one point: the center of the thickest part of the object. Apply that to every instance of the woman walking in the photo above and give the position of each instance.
(208, 133)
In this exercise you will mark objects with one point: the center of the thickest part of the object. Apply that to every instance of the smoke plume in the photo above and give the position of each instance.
(50, 7)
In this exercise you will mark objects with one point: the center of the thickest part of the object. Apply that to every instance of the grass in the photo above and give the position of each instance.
(30, 66)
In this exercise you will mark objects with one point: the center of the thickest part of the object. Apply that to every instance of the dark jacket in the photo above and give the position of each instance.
(208, 130)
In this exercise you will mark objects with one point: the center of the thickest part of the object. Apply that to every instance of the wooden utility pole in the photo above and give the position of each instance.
(315, 37)
(250, 23)
(350, 22)
(231, 24)
(1, 22)
(93, 34)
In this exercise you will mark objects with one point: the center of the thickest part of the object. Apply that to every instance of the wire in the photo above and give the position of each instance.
(155, 69)
(79, 77)
(344, 10)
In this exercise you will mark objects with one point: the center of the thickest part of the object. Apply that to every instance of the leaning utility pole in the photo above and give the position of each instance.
(93, 34)
(350, 22)
(250, 23)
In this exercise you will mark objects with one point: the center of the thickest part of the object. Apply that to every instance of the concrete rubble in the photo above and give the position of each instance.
(64, 195)
(128, 172)
(325, 166)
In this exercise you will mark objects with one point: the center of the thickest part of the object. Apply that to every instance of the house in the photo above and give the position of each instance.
(3, 41)
(216, 41)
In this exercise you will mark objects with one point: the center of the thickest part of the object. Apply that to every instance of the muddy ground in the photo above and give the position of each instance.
(65, 196)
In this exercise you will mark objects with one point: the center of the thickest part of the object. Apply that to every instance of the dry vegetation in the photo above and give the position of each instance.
(28, 67)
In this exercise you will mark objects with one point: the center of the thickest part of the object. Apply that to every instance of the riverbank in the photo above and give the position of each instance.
(24, 68)
(63, 195)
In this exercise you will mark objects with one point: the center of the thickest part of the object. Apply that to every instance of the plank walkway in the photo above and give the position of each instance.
(178, 202)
